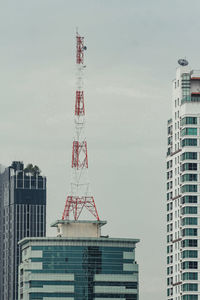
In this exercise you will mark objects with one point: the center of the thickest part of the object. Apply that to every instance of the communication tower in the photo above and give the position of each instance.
(80, 196)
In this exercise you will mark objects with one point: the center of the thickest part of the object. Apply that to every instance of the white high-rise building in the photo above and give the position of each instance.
(183, 187)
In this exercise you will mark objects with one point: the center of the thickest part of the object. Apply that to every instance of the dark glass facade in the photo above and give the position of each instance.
(23, 214)
(100, 268)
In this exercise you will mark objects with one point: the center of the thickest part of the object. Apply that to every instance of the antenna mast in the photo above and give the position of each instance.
(80, 194)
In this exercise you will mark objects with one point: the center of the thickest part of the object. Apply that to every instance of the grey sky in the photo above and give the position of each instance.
(133, 47)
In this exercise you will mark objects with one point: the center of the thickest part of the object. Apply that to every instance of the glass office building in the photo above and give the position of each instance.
(22, 214)
(78, 268)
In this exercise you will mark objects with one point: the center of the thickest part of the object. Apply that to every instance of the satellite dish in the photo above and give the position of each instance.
(183, 62)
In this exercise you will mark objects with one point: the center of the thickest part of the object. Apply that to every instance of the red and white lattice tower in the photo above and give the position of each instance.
(80, 195)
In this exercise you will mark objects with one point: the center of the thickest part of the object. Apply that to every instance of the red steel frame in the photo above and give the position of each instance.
(75, 203)
(77, 150)
(79, 49)
(79, 106)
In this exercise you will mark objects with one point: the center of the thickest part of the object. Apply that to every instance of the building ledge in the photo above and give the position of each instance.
(174, 198)
(177, 283)
(177, 240)
(100, 223)
(35, 240)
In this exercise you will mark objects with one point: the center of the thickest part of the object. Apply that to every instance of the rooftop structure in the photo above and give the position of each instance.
(67, 228)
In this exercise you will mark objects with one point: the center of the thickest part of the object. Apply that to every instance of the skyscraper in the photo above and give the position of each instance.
(23, 214)
(183, 186)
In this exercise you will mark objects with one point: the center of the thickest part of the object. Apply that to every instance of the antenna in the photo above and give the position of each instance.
(80, 195)
(182, 62)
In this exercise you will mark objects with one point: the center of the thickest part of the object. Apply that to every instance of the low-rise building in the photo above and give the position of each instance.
(80, 267)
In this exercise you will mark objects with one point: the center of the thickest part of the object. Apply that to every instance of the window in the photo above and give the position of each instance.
(170, 292)
(169, 196)
(186, 96)
(189, 199)
(189, 177)
(190, 287)
(169, 270)
(170, 249)
(169, 259)
(169, 129)
(189, 167)
(169, 140)
(189, 188)
(169, 238)
(169, 185)
(190, 276)
(189, 243)
(185, 76)
(189, 232)
(190, 297)
(169, 227)
(188, 120)
(169, 217)
(185, 91)
(189, 221)
(169, 206)
(189, 210)
(190, 265)
(189, 155)
(189, 142)
(190, 253)
(189, 131)
(169, 281)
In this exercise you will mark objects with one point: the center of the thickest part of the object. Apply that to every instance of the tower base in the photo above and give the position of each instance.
(74, 229)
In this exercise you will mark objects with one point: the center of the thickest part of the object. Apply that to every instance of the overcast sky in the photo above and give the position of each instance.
(133, 47)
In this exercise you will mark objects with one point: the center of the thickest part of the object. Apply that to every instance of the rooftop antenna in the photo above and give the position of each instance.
(80, 196)
(183, 62)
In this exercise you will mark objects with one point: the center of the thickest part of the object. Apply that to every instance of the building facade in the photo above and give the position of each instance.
(23, 214)
(78, 269)
(183, 187)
